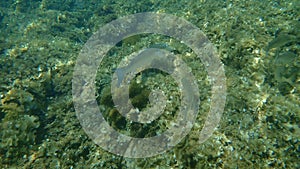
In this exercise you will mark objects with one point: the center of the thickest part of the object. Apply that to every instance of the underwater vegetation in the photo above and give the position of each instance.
(21, 110)
(258, 42)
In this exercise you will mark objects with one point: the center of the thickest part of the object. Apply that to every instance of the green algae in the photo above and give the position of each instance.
(40, 41)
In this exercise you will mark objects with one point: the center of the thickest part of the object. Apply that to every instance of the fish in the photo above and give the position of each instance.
(148, 58)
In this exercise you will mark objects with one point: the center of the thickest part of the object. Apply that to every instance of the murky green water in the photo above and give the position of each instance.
(257, 41)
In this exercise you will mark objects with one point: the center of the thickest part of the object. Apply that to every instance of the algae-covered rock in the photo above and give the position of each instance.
(17, 136)
(19, 125)
(258, 41)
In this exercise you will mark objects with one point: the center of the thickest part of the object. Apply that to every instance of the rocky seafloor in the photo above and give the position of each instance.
(257, 41)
